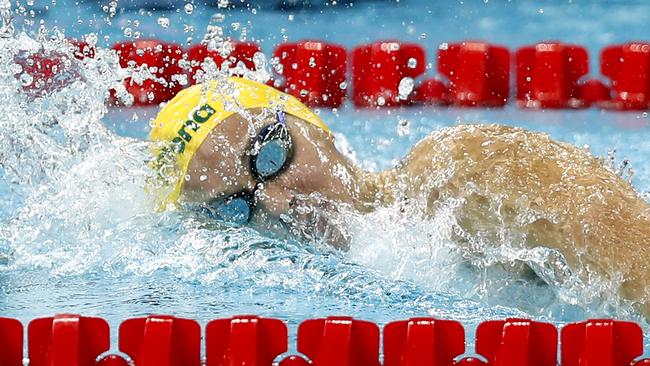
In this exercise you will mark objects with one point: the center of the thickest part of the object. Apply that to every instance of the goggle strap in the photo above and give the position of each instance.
(281, 117)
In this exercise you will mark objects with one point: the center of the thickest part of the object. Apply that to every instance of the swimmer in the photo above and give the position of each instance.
(240, 151)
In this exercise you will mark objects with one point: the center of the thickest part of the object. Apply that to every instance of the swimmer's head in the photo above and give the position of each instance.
(187, 120)
(206, 138)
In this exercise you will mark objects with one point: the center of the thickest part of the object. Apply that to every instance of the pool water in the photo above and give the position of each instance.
(79, 233)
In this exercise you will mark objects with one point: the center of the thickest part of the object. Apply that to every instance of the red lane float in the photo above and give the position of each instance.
(339, 341)
(241, 52)
(158, 74)
(516, 342)
(73, 340)
(601, 343)
(67, 340)
(548, 73)
(11, 347)
(161, 340)
(432, 92)
(379, 68)
(478, 73)
(628, 67)
(244, 340)
(314, 72)
(594, 93)
(423, 341)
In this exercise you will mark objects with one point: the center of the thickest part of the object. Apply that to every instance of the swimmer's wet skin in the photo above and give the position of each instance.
(541, 192)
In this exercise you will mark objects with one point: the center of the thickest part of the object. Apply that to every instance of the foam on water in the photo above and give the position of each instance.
(79, 233)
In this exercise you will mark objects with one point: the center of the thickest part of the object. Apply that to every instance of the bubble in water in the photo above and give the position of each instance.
(16, 69)
(26, 79)
(381, 101)
(403, 127)
(217, 18)
(163, 22)
(222, 3)
(91, 39)
(7, 28)
(405, 87)
(203, 178)
(30, 2)
(189, 8)
(412, 63)
(312, 62)
(277, 66)
(128, 32)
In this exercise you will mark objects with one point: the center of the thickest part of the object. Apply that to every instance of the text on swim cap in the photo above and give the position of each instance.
(200, 116)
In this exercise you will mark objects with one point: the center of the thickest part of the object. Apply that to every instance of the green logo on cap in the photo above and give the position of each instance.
(200, 116)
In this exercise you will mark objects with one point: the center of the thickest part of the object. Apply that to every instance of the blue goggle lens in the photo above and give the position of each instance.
(235, 210)
(271, 158)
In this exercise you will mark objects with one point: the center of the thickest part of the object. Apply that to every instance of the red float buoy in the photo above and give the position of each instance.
(379, 68)
(314, 72)
(157, 74)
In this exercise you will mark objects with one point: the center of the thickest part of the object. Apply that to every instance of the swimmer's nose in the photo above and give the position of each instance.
(275, 198)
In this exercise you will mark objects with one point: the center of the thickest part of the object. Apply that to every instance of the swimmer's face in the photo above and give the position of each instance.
(315, 181)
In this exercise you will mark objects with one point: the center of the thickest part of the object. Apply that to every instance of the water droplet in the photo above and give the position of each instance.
(16, 69)
(217, 18)
(381, 101)
(403, 127)
(128, 32)
(405, 87)
(91, 39)
(412, 63)
(7, 28)
(222, 3)
(259, 60)
(26, 79)
(343, 85)
(312, 62)
(279, 68)
(291, 17)
(189, 8)
(163, 22)
(203, 178)
(294, 66)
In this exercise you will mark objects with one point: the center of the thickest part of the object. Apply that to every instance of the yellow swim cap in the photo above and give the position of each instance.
(183, 124)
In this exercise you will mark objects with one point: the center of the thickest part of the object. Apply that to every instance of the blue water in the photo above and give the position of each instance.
(80, 236)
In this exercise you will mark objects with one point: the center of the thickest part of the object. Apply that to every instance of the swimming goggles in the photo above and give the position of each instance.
(270, 153)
